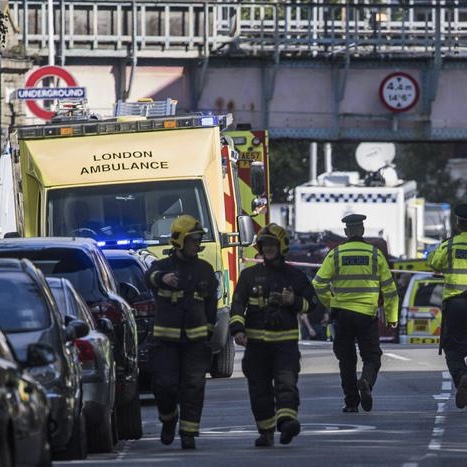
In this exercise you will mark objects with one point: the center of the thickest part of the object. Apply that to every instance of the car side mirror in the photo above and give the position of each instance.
(76, 329)
(129, 292)
(105, 326)
(40, 355)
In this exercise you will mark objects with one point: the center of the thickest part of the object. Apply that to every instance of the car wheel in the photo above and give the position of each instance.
(100, 436)
(223, 362)
(129, 419)
(6, 455)
(77, 446)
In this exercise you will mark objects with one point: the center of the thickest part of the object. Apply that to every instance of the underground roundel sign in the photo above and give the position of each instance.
(399, 92)
(33, 92)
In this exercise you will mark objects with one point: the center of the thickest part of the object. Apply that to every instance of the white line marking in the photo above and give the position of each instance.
(397, 357)
(439, 427)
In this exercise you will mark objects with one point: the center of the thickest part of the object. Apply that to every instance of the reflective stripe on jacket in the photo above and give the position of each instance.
(352, 277)
(252, 306)
(450, 259)
(190, 311)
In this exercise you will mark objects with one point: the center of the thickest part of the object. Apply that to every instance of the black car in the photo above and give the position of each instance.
(130, 266)
(81, 261)
(28, 314)
(24, 408)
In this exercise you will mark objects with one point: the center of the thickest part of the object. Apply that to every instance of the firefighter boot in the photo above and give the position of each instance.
(461, 394)
(364, 389)
(168, 431)
(289, 429)
(188, 441)
(265, 440)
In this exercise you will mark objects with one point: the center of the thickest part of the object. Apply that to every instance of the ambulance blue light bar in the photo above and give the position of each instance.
(122, 243)
(119, 125)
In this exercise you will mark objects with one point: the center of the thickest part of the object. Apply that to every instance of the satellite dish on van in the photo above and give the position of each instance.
(373, 156)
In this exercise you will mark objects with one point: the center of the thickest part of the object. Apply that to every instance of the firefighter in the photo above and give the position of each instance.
(450, 259)
(349, 282)
(266, 302)
(185, 287)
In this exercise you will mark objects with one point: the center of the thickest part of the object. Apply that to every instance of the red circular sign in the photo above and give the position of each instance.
(42, 73)
(399, 92)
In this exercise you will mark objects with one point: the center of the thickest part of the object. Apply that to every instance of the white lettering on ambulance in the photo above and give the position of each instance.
(117, 166)
(107, 156)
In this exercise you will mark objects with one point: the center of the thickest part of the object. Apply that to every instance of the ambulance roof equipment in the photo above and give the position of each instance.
(141, 116)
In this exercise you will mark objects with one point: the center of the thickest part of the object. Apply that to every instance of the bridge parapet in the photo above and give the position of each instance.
(184, 29)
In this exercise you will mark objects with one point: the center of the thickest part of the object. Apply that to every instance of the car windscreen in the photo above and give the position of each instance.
(71, 263)
(22, 305)
(127, 270)
(127, 211)
(429, 294)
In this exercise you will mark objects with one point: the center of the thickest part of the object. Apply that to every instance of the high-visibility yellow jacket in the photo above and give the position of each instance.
(352, 277)
(450, 258)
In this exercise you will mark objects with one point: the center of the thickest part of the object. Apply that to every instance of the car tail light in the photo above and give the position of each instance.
(107, 310)
(146, 308)
(86, 354)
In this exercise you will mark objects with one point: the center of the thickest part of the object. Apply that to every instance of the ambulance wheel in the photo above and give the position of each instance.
(223, 362)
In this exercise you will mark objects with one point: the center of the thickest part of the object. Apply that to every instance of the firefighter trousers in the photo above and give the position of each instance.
(178, 379)
(272, 371)
(351, 327)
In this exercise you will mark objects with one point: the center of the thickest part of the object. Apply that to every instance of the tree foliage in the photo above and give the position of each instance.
(3, 28)
(426, 163)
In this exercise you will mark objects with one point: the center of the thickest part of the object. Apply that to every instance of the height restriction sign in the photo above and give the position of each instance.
(399, 92)
(32, 92)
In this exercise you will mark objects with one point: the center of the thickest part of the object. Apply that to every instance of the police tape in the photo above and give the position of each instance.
(318, 265)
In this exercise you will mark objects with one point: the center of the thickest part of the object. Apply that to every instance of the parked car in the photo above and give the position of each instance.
(81, 262)
(28, 314)
(24, 408)
(97, 365)
(420, 316)
(130, 266)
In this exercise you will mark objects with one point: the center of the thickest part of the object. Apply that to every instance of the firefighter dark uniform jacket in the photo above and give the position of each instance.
(189, 311)
(450, 258)
(352, 277)
(263, 318)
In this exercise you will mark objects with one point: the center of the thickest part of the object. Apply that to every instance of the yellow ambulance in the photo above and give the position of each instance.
(123, 180)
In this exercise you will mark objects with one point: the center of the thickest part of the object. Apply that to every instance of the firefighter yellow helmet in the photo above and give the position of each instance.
(275, 232)
(182, 227)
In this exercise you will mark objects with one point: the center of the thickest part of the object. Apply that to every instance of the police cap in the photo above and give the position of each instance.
(461, 212)
(353, 219)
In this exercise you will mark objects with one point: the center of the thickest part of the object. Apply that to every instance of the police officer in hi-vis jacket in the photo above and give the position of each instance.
(350, 282)
(266, 302)
(186, 307)
(450, 259)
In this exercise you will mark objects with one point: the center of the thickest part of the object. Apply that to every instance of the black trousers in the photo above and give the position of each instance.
(455, 336)
(351, 327)
(178, 379)
(272, 372)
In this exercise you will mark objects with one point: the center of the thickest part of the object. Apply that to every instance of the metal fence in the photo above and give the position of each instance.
(138, 28)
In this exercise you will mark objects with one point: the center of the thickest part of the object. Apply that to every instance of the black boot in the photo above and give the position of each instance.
(168, 431)
(265, 440)
(461, 394)
(289, 429)
(366, 399)
(349, 408)
(188, 441)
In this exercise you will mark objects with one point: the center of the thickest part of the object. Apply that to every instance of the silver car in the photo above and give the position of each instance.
(97, 363)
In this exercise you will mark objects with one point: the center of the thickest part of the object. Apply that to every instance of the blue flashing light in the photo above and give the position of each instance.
(209, 121)
(125, 243)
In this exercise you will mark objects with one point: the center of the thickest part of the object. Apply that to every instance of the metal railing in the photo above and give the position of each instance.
(185, 29)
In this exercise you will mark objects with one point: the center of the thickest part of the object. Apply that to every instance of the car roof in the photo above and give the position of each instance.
(120, 253)
(48, 242)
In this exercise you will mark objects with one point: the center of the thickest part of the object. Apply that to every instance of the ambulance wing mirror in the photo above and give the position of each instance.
(257, 178)
(244, 236)
(246, 230)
